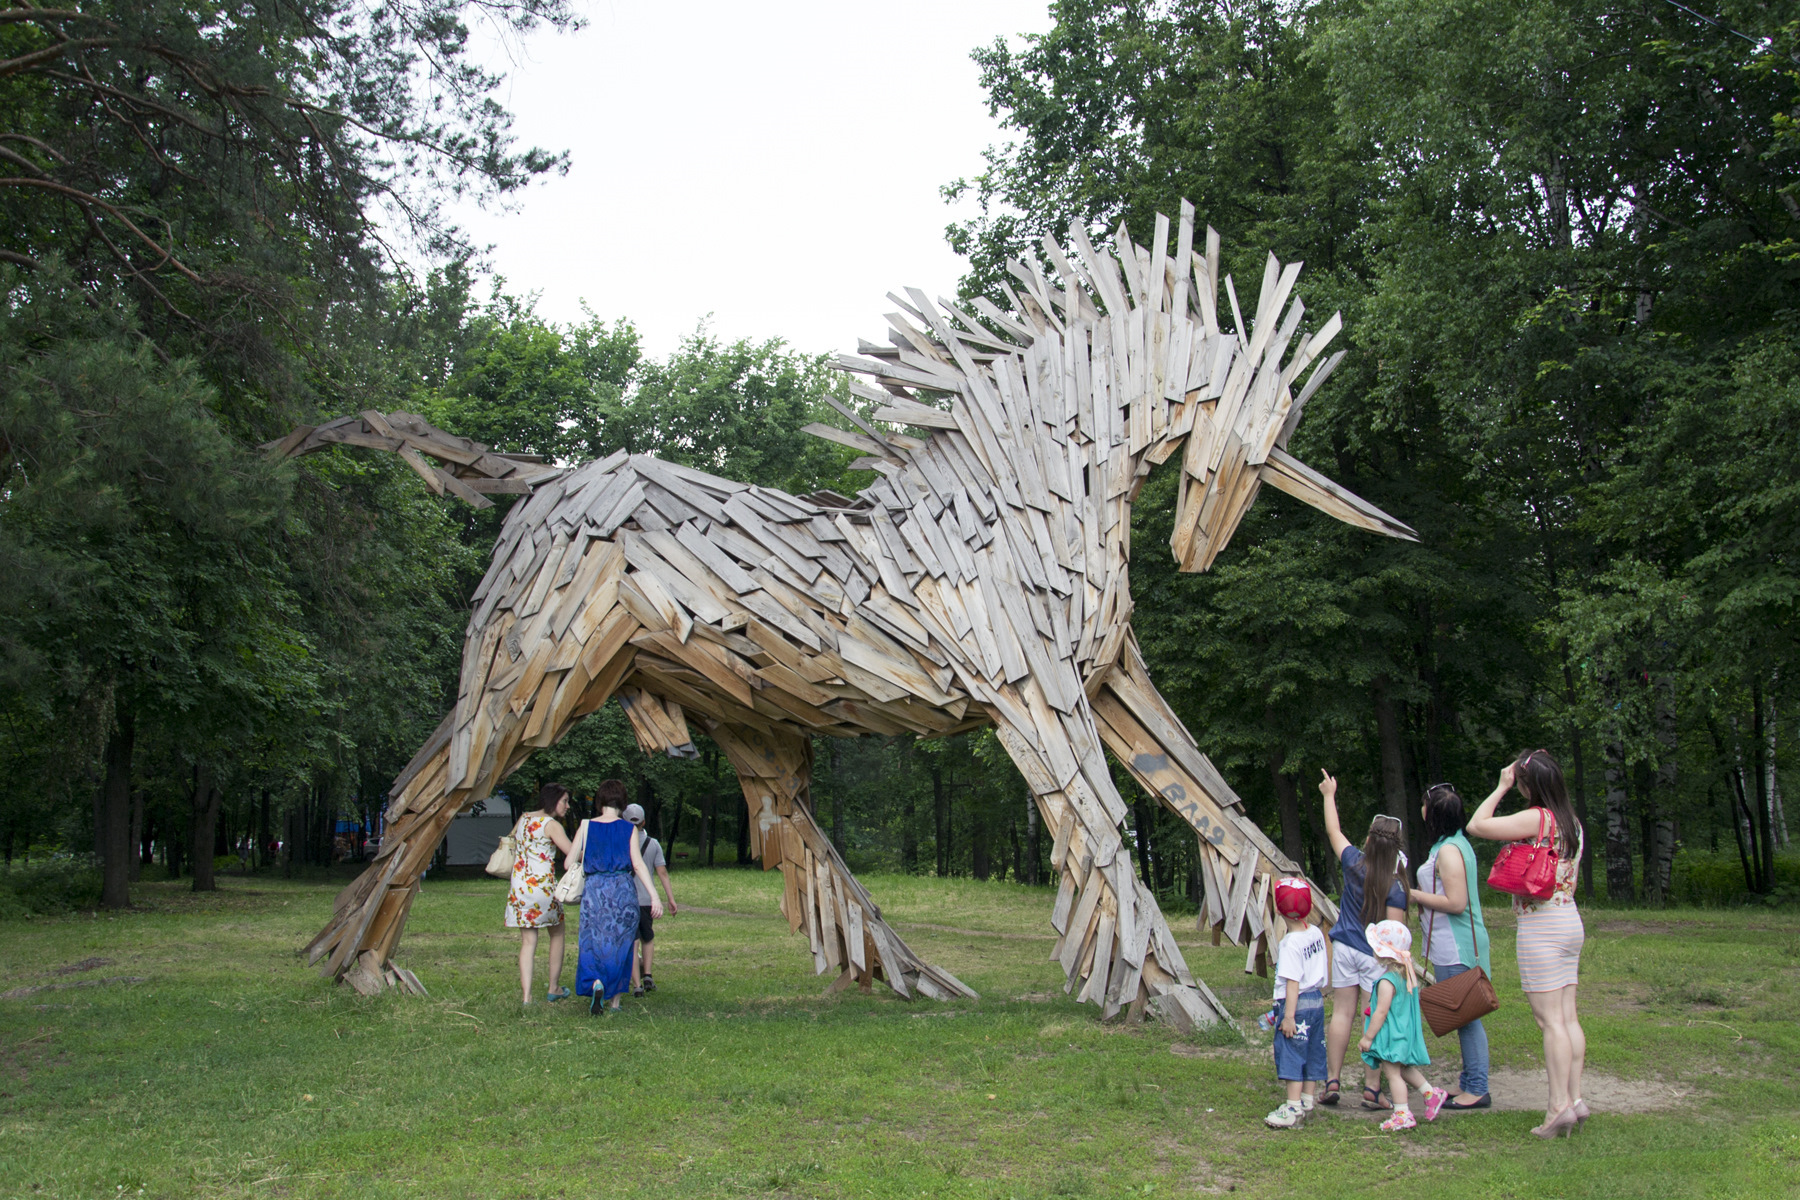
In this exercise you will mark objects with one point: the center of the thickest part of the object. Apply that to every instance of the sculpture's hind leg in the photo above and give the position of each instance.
(1114, 946)
(843, 926)
(1238, 861)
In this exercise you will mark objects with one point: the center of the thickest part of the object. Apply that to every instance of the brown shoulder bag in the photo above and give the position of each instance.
(1451, 1003)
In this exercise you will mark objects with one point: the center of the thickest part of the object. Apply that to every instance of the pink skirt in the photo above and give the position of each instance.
(1549, 948)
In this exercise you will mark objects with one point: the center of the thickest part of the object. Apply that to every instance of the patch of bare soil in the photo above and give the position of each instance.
(20, 993)
(1239, 1053)
(76, 968)
(1625, 928)
(986, 933)
(1525, 1091)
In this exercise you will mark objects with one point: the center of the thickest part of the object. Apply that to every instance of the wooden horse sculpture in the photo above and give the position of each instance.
(982, 580)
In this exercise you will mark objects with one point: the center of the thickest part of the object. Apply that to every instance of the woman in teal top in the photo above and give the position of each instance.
(1456, 937)
(1394, 1036)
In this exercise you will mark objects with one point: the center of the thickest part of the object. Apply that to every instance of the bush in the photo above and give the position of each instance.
(48, 889)
(1717, 880)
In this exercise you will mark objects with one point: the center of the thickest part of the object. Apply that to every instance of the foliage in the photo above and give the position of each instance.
(47, 889)
(1562, 239)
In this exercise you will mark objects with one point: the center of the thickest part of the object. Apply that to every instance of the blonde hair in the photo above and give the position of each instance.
(1397, 967)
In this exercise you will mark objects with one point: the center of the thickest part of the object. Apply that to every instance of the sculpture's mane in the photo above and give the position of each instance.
(1095, 375)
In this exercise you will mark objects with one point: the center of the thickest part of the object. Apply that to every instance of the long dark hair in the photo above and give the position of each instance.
(1444, 813)
(1381, 862)
(1540, 778)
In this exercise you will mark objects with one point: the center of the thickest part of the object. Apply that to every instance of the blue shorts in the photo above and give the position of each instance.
(1302, 1056)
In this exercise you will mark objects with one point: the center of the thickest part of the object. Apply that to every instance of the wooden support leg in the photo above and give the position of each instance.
(1239, 864)
(820, 896)
(509, 707)
(1113, 942)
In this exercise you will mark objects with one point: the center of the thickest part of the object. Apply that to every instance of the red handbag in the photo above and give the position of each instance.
(1527, 868)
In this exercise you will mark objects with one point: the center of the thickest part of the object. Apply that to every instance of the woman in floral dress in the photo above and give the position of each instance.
(529, 905)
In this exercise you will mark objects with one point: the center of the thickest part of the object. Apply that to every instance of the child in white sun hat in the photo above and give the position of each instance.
(1394, 1038)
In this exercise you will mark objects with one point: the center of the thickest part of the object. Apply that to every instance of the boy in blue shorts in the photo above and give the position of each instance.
(1300, 971)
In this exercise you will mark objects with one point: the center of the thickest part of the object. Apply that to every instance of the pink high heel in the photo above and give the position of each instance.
(1558, 1126)
(1580, 1109)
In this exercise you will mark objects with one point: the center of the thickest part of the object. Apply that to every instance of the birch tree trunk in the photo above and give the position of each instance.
(1662, 853)
(1619, 885)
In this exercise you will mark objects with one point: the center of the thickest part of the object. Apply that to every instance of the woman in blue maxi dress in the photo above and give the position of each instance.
(609, 904)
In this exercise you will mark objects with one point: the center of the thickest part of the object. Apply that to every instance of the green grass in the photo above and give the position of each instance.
(229, 1069)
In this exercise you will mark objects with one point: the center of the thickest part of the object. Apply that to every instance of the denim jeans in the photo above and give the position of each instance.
(1474, 1078)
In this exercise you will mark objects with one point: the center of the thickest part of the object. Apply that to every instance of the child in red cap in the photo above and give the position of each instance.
(1300, 969)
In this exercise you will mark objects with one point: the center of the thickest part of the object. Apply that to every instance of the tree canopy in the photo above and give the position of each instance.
(1564, 238)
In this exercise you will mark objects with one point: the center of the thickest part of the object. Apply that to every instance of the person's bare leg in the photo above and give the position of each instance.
(1546, 1009)
(558, 933)
(637, 965)
(649, 957)
(1337, 1034)
(1577, 1042)
(527, 951)
(1395, 1075)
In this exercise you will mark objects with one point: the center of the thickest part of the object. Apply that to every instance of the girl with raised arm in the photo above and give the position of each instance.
(1374, 891)
(1550, 930)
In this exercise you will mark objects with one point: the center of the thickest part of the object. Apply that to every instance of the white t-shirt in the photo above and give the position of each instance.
(1300, 957)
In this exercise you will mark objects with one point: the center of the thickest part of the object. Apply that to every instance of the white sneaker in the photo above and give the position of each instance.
(1288, 1116)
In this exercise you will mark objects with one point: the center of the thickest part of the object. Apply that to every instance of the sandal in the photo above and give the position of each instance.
(1330, 1095)
(1371, 1099)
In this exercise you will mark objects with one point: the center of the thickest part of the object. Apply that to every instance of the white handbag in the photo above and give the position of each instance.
(500, 862)
(568, 888)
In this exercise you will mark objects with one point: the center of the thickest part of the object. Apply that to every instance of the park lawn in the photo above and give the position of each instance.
(225, 1068)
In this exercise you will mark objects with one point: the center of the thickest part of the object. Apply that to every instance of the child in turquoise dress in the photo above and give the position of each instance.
(1394, 1036)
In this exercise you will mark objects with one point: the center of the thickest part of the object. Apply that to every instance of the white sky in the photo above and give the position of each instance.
(775, 165)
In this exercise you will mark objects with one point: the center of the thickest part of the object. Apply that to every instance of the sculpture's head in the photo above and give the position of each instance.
(1227, 398)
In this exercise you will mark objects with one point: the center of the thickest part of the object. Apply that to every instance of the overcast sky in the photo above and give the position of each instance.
(774, 166)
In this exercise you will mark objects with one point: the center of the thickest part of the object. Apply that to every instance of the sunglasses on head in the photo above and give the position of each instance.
(1381, 817)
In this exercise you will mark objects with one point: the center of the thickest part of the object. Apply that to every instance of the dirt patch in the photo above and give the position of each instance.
(1525, 1091)
(1239, 1053)
(984, 933)
(76, 968)
(20, 993)
(720, 912)
(1626, 928)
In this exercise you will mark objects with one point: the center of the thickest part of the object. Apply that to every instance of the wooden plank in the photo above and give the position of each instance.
(694, 656)
(854, 936)
(1239, 897)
